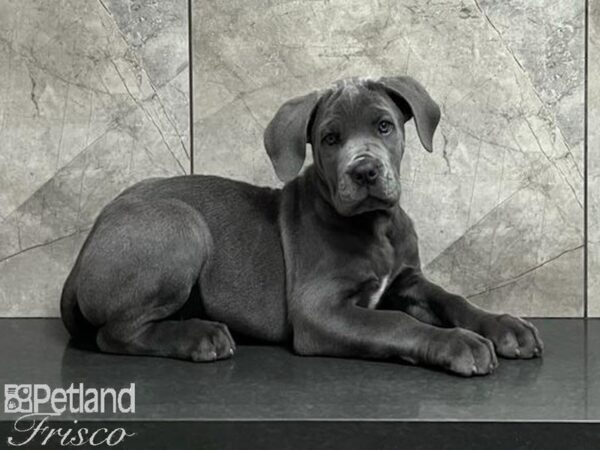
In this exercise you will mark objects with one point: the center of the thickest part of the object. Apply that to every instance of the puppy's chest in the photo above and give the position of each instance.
(374, 271)
(373, 290)
(374, 277)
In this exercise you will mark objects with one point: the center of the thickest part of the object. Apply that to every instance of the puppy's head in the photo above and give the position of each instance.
(356, 131)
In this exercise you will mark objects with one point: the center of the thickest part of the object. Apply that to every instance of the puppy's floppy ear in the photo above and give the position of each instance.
(413, 100)
(287, 134)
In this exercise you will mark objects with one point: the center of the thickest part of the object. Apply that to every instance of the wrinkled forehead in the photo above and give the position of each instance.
(350, 102)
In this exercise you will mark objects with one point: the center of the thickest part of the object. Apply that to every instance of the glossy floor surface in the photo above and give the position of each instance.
(272, 383)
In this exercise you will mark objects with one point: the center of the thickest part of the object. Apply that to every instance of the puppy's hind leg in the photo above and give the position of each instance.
(137, 271)
(145, 330)
(191, 339)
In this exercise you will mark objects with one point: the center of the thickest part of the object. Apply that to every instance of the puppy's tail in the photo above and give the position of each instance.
(81, 330)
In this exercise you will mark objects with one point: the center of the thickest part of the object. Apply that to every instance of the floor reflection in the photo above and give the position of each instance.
(272, 383)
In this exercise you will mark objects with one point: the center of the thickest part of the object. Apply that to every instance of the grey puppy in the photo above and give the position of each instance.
(329, 263)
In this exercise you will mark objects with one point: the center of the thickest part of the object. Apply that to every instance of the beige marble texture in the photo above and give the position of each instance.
(593, 159)
(499, 204)
(93, 97)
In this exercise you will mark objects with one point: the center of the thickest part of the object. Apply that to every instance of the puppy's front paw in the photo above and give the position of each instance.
(463, 352)
(512, 336)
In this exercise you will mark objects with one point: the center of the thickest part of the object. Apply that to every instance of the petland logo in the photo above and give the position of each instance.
(37, 402)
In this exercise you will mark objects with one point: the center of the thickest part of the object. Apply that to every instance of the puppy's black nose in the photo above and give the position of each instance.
(365, 172)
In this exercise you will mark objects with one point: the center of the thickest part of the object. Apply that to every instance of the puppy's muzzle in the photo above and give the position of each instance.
(364, 170)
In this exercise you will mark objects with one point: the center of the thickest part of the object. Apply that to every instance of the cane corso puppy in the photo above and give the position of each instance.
(329, 263)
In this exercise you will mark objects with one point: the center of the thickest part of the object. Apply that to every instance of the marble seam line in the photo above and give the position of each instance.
(43, 244)
(556, 166)
(530, 82)
(484, 217)
(149, 116)
(152, 86)
(110, 127)
(525, 273)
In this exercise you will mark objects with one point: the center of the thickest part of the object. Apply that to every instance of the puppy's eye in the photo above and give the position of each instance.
(385, 127)
(331, 139)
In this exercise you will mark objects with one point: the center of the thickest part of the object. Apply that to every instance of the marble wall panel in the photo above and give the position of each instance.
(593, 159)
(499, 204)
(93, 97)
